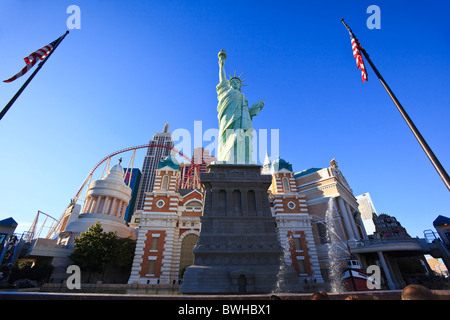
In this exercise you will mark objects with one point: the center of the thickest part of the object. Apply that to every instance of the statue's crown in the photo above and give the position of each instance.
(237, 77)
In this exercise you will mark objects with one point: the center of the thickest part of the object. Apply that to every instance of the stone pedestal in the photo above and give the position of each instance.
(238, 250)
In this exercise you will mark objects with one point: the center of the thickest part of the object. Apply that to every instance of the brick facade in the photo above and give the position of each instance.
(168, 217)
(294, 226)
(156, 254)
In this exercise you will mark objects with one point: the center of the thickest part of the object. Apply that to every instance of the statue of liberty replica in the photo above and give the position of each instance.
(235, 118)
(238, 250)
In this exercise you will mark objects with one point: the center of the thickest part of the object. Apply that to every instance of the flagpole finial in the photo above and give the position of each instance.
(345, 25)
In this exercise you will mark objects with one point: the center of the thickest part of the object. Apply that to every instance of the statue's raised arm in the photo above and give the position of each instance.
(235, 118)
(222, 56)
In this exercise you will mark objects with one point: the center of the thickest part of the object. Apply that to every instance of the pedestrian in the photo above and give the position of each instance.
(320, 295)
(416, 292)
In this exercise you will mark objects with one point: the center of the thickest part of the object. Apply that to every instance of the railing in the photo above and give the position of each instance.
(383, 241)
(430, 236)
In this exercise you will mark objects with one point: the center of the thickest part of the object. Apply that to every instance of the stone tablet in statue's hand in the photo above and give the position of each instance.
(256, 108)
(259, 105)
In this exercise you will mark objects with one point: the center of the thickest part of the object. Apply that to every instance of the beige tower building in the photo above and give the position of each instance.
(333, 207)
(368, 212)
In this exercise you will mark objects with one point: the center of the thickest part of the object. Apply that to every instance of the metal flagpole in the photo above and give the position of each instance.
(437, 165)
(10, 103)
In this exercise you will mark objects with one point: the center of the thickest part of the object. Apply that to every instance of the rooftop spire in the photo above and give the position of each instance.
(266, 167)
(166, 128)
(267, 159)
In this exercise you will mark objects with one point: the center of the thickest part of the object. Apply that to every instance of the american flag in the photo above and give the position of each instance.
(356, 46)
(33, 58)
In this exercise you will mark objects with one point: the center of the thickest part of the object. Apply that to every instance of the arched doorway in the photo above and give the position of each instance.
(186, 256)
(242, 284)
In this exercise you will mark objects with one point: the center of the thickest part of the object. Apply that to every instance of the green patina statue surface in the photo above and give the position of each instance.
(235, 118)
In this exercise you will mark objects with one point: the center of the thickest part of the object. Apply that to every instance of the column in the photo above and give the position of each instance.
(125, 205)
(395, 272)
(208, 201)
(386, 270)
(109, 205)
(101, 204)
(215, 202)
(87, 203)
(121, 209)
(352, 221)
(106, 205)
(259, 208)
(167, 254)
(97, 204)
(229, 206)
(138, 254)
(348, 226)
(93, 203)
(339, 222)
(113, 210)
(244, 202)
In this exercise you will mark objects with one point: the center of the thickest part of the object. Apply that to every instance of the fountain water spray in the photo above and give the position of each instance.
(336, 251)
(281, 283)
(334, 246)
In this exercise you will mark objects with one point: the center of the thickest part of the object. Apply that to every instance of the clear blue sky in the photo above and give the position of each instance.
(135, 65)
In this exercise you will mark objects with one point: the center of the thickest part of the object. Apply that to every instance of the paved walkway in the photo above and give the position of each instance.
(367, 295)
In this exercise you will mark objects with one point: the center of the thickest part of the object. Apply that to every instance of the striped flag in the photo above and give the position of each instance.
(33, 58)
(356, 47)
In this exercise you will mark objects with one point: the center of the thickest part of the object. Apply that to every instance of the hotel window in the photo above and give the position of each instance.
(298, 244)
(286, 184)
(301, 266)
(151, 266)
(291, 205)
(194, 206)
(165, 183)
(160, 203)
(155, 241)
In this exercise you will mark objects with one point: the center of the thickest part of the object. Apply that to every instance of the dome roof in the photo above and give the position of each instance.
(115, 173)
(112, 185)
(116, 167)
(279, 164)
(169, 161)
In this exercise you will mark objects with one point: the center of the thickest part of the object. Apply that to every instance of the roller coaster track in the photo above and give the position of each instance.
(192, 174)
